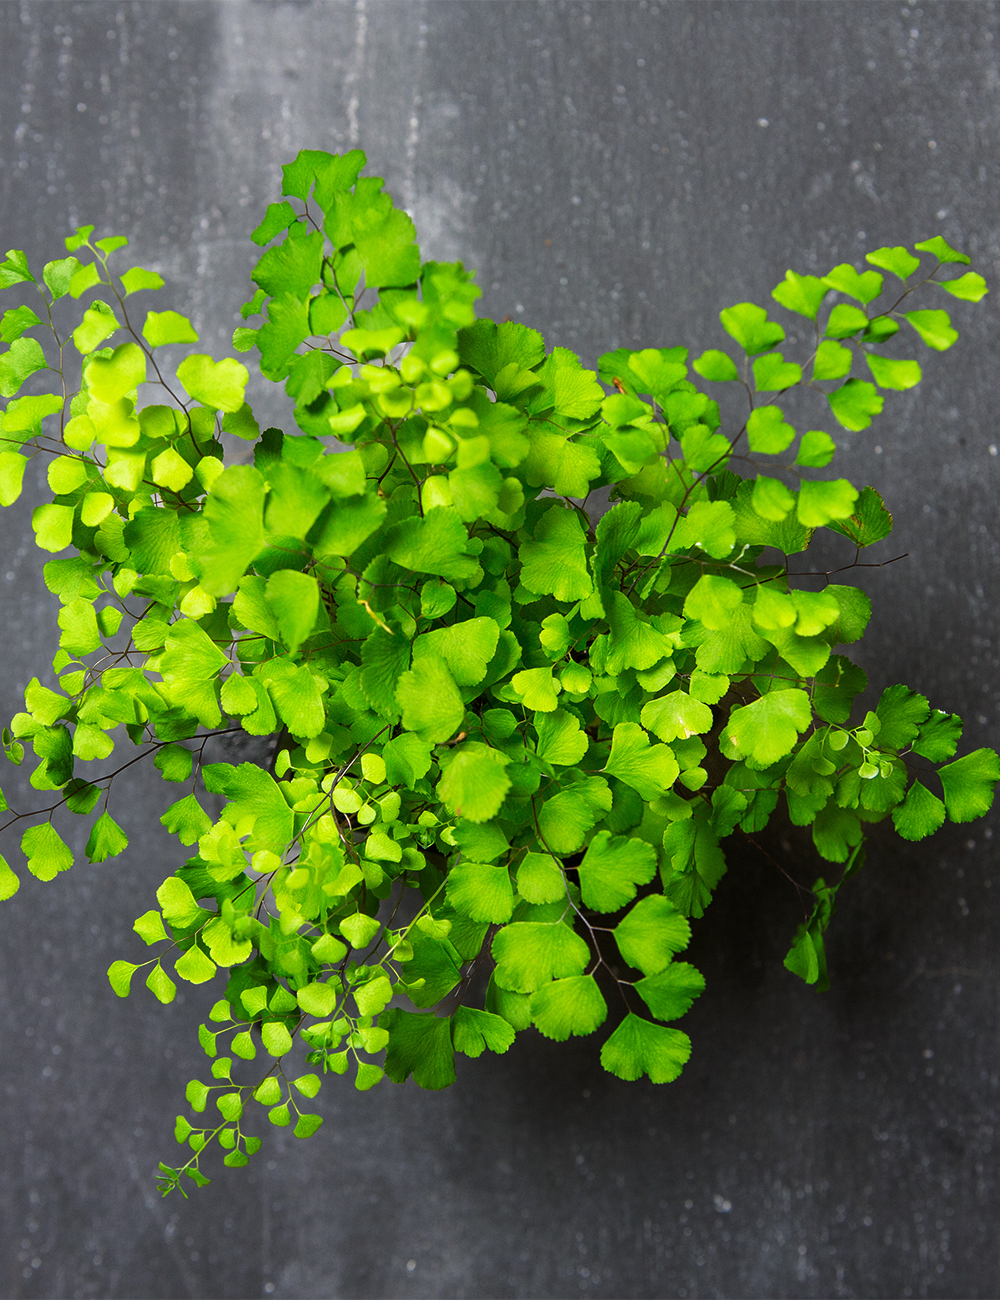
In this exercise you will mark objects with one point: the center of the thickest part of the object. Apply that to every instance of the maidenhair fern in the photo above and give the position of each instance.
(512, 728)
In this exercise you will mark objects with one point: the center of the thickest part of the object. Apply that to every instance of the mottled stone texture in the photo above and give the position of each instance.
(618, 172)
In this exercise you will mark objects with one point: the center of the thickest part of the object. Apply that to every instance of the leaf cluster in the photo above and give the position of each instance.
(513, 729)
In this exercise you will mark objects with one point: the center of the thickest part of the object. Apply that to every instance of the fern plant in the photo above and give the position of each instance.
(510, 730)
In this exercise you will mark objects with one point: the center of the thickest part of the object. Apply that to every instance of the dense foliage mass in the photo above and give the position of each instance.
(508, 739)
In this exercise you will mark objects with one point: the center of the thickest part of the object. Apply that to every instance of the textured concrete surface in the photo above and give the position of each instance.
(618, 172)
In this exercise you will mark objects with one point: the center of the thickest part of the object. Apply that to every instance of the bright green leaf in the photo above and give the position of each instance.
(639, 1047)
(568, 1006)
(612, 869)
(651, 933)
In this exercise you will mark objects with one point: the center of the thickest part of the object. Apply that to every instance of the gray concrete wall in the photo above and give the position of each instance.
(618, 172)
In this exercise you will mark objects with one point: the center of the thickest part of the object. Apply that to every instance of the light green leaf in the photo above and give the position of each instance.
(474, 784)
(91, 743)
(855, 402)
(676, 716)
(178, 903)
(24, 415)
(223, 946)
(388, 252)
(373, 996)
(540, 879)
(709, 525)
(863, 287)
(889, 372)
(53, 527)
(149, 927)
(920, 815)
(880, 329)
(767, 431)
(481, 891)
(800, 293)
(900, 261)
(431, 704)
(186, 819)
(287, 326)
(165, 327)
(275, 1037)
(161, 985)
(138, 279)
(815, 450)
(771, 499)
(773, 374)
(869, 520)
(14, 270)
(84, 278)
(805, 957)
(716, 366)
(639, 1047)
(252, 792)
(346, 524)
(651, 933)
(234, 511)
(14, 322)
(612, 869)
(669, 994)
(359, 929)
(537, 688)
(934, 327)
(293, 599)
(107, 839)
(767, 729)
(713, 601)
(560, 738)
(555, 562)
(969, 287)
(78, 622)
(217, 384)
(568, 1006)
(845, 320)
(190, 665)
(939, 736)
(969, 784)
(120, 976)
(649, 769)
(466, 648)
(99, 322)
(9, 883)
(821, 502)
(46, 852)
(435, 544)
(174, 762)
(24, 358)
(835, 832)
(472, 1031)
(939, 248)
(832, 361)
(407, 760)
(12, 466)
(900, 713)
(292, 266)
(195, 966)
(530, 953)
(277, 218)
(749, 326)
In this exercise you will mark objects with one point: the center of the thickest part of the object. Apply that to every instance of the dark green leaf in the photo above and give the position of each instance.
(419, 1045)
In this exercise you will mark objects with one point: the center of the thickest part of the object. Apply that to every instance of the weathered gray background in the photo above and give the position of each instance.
(617, 172)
